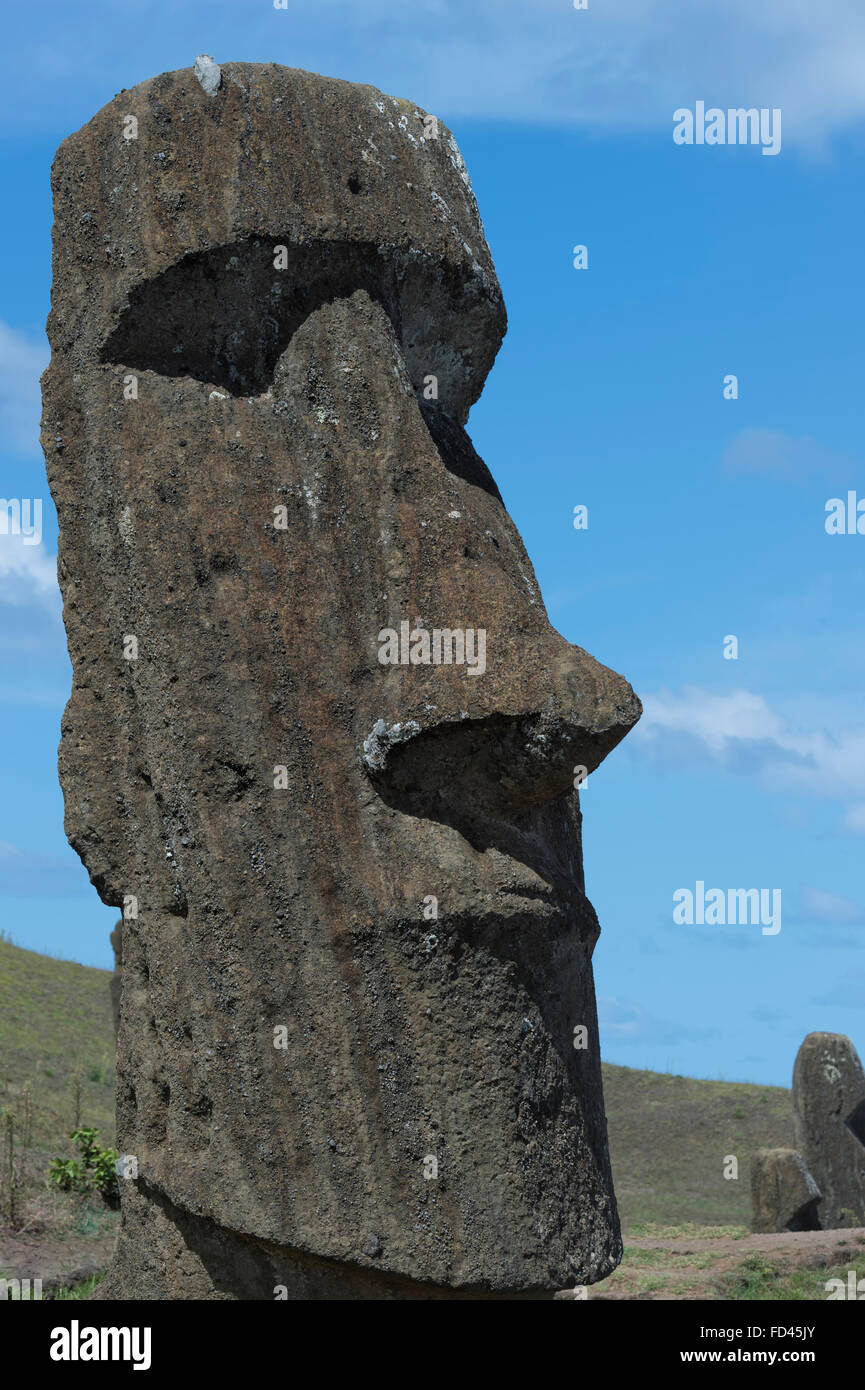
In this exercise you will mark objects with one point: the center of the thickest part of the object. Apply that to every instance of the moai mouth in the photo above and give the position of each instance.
(357, 1046)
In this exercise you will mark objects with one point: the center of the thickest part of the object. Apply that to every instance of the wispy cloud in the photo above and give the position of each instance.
(826, 919)
(848, 993)
(22, 362)
(28, 574)
(742, 733)
(27, 873)
(623, 1020)
(771, 454)
(617, 67)
(821, 906)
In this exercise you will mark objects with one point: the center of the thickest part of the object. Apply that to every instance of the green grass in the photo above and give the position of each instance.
(758, 1279)
(81, 1290)
(659, 1230)
(55, 1020)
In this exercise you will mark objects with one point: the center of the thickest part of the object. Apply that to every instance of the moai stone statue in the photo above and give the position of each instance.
(784, 1196)
(320, 725)
(829, 1123)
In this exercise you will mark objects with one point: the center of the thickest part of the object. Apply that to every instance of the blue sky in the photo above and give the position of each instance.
(706, 515)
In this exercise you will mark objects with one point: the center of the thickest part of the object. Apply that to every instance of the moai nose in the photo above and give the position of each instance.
(523, 738)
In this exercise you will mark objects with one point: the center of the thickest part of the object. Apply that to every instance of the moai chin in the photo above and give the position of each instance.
(353, 995)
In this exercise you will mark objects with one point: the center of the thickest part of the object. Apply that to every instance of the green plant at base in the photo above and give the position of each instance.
(95, 1171)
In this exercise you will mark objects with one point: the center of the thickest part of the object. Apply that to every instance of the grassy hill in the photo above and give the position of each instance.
(56, 1072)
(55, 1023)
(669, 1138)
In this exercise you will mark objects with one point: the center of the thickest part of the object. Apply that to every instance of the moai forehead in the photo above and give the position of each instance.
(254, 484)
(165, 251)
(166, 240)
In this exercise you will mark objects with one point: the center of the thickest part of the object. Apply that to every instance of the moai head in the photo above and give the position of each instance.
(829, 1121)
(321, 731)
(784, 1195)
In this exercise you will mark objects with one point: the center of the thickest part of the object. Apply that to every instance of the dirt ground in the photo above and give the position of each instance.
(713, 1266)
(677, 1267)
(57, 1263)
(60, 1238)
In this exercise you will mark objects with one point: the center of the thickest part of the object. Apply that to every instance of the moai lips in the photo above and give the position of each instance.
(326, 1090)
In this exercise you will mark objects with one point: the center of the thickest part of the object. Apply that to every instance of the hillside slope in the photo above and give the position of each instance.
(670, 1137)
(55, 1021)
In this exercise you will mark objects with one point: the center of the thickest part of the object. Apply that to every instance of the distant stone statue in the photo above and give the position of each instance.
(320, 727)
(829, 1121)
(784, 1195)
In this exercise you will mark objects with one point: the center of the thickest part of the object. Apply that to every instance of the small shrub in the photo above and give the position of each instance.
(95, 1171)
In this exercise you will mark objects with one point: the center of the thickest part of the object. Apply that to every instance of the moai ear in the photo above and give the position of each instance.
(225, 316)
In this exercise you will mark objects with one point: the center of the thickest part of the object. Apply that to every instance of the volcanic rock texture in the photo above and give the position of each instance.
(273, 306)
(829, 1121)
(784, 1196)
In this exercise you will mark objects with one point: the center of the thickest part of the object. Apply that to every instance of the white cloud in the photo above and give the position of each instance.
(714, 720)
(777, 455)
(624, 1021)
(29, 873)
(22, 362)
(28, 574)
(829, 907)
(846, 993)
(743, 733)
(620, 67)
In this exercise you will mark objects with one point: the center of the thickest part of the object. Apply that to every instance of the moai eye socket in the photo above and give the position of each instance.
(225, 316)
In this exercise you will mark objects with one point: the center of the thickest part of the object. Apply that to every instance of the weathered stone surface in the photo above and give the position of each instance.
(208, 73)
(283, 487)
(784, 1196)
(829, 1124)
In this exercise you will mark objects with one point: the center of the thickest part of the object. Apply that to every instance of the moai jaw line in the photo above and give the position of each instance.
(224, 776)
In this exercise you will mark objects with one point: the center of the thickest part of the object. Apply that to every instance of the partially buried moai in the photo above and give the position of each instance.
(321, 730)
(829, 1121)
